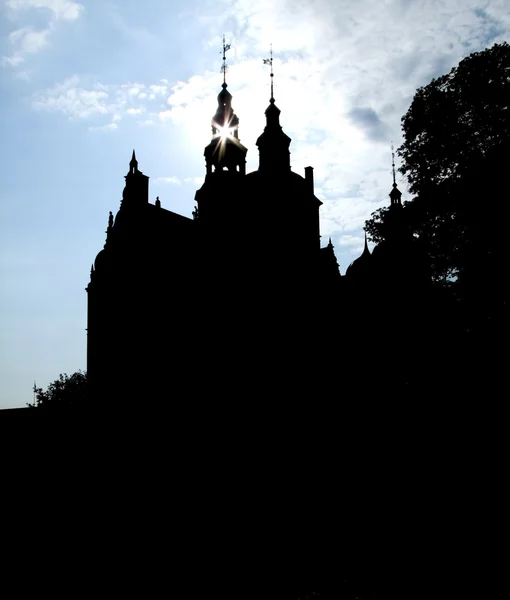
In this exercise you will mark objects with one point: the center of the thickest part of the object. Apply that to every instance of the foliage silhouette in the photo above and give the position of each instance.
(456, 131)
(65, 392)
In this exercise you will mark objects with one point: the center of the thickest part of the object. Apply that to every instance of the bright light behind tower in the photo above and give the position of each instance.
(225, 132)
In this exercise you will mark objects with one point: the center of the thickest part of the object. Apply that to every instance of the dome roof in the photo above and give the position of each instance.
(224, 94)
(102, 261)
(362, 266)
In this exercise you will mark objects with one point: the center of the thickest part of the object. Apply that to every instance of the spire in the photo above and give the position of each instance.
(226, 47)
(136, 190)
(133, 163)
(269, 61)
(224, 122)
(365, 249)
(393, 165)
(273, 144)
(360, 268)
(395, 194)
(225, 150)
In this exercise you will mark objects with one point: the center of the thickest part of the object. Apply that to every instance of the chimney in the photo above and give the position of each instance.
(309, 178)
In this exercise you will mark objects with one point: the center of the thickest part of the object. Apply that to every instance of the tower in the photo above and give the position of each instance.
(273, 143)
(225, 150)
(136, 191)
(245, 273)
(225, 159)
(395, 194)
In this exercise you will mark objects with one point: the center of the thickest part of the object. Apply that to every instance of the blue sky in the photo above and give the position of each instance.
(83, 83)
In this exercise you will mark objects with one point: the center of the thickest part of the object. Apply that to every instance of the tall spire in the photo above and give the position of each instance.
(393, 164)
(136, 191)
(395, 194)
(273, 143)
(269, 61)
(225, 150)
(133, 163)
(365, 249)
(226, 48)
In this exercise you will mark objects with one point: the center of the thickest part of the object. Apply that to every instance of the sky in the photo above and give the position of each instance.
(83, 83)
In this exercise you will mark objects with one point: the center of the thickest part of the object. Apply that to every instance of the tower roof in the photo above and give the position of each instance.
(395, 194)
(273, 143)
(360, 267)
(225, 150)
(133, 163)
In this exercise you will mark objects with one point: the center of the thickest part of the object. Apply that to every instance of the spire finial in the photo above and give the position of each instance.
(269, 61)
(393, 165)
(133, 163)
(226, 47)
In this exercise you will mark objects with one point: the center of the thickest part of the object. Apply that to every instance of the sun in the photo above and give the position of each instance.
(225, 132)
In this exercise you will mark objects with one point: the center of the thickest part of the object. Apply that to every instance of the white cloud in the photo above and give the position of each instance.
(25, 41)
(104, 128)
(174, 180)
(78, 100)
(64, 10)
(75, 102)
(345, 73)
(194, 180)
(28, 40)
(159, 89)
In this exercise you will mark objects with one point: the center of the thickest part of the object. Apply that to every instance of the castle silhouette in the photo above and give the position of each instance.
(241, 299)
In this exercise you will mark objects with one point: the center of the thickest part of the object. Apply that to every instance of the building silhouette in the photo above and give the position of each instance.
(181, 306)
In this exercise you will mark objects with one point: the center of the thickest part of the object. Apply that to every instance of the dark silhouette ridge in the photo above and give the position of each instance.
(241, 302)
(237, 382)
(180, 308)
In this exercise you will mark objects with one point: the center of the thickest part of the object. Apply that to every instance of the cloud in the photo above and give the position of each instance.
(75, 102)
(194, 180)
(368, 120)
(27, 40)
(104, 128)
(174, 180)
(62, 10)
(345, 73)
(78, 100)
(134, 111)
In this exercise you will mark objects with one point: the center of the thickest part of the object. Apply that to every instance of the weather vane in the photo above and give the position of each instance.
(269, 61)
(226, 47)
(393, 163)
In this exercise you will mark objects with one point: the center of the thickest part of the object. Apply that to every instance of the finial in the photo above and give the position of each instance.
(269, 61)
(393, 165)
(133, 163)
(158, 202)
(226, 47)
(365, 249)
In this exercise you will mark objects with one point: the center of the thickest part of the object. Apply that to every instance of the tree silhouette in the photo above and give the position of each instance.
(65, 392)
(456, 135)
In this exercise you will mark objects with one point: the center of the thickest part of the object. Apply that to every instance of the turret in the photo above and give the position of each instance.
(273, 143)
(136, 191)
(395, 194)
(225, 150)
